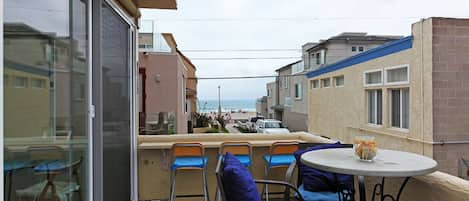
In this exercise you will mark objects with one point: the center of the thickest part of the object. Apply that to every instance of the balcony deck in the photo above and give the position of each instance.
(153, 173)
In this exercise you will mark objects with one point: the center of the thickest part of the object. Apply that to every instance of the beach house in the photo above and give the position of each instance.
(410, 94)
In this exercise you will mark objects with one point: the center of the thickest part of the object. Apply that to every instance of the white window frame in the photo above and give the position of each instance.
(300, 91)
(335, 81)
(26, 83)
(385, 70)
(373, 71)
(318, 86)
(375, 109)
(322, 83)
(400, 128)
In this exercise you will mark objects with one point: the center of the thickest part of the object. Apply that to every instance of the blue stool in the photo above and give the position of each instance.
(280, 156)
(188, 156)
(241, 150)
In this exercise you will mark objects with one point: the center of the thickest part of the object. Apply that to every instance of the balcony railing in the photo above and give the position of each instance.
(153, 163)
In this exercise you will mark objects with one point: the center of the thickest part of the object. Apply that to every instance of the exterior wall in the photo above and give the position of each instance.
(261, 106)
(450, 90)
(271, 99)
(161, 95)
(295, 121)
(341, 112)
(191, 84)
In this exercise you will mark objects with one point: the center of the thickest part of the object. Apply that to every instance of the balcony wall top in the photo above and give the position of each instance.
(214, 140)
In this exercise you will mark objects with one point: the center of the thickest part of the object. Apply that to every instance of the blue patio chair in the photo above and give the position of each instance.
(318, 185)
(241, 150)
(236, 183)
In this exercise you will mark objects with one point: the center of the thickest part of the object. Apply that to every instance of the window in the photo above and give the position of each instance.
(21, 82)
(399, 108)
(298, 91)
(326, 82)
(286, 79)
(397, 75)
(287, 101)
(361, 49)
(38, 83)
(375, 106)
(372, 78)
(339, 81)
(354, 48)
(318, 58)
(268, 92)
(315, 84)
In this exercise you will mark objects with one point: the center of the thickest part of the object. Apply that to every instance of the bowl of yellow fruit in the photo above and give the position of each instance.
(365, 148)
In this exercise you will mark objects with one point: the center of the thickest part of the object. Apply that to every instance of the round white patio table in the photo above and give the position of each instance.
(387, 163)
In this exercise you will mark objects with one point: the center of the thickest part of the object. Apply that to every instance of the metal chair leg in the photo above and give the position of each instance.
(173, 185)
(206, 196)
(265, 192)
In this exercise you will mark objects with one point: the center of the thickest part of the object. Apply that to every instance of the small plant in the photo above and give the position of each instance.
(202, 120)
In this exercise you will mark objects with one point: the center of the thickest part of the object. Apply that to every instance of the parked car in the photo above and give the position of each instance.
(270, 126)
(251, 124)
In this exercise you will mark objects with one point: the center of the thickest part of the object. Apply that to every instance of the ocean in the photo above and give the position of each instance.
(248, 105)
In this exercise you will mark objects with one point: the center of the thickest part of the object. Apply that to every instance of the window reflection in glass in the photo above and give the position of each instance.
(45, 60)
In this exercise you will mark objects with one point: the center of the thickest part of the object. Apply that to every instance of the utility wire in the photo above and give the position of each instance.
(241, 50)
(288, 19)
(243, 58)
(244, 77)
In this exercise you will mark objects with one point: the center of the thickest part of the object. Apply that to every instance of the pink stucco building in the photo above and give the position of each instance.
(163, 78)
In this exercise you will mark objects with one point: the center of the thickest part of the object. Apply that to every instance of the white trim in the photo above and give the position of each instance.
(318, 86)
(1, 101)
(386, 69)
(372, 71)
(91, 109)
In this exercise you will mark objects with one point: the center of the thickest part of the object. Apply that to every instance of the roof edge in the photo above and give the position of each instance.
(380, 51)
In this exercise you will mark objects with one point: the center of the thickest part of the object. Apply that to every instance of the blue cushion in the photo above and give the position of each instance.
(185, 162)
(14, 165)
(50, 166)
(279, 159)
(318, 180)
(318, 196)
(244, 159)
(237, 181)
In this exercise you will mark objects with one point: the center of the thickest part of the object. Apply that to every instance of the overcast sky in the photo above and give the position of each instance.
(279, 24)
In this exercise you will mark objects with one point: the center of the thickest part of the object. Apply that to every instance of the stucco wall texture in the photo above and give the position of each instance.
(438, 85)
(166, 94)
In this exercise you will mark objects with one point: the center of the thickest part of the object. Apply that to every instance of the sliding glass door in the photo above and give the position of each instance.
(117, 114)
(45, 99)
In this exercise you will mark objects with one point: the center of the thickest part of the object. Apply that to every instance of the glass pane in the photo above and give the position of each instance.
(371, 107)
(396, 108)
(339, 81)
(45, 58)
(373, 78)
(405, 108)
(397, 75)
(116, 107)
(379, 103)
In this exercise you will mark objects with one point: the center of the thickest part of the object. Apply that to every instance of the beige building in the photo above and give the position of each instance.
(411, 94)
